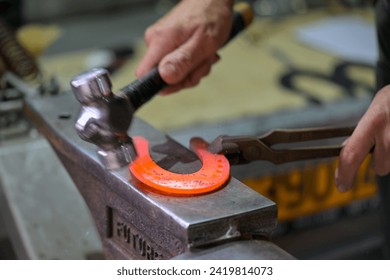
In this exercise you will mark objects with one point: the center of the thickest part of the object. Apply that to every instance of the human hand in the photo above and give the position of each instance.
(184, 43)
(372, 131)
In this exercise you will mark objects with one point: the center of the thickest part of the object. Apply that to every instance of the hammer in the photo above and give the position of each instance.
(105, 117)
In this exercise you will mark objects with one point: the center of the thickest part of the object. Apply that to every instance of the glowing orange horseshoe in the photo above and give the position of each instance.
(214, 173)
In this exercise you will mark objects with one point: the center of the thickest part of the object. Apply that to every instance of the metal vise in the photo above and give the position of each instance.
(134, 222)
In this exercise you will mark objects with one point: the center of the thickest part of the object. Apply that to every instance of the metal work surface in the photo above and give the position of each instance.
(44, 215)
(135, 222)
(240, 250)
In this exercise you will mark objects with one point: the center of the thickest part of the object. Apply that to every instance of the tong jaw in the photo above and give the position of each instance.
(241, 149)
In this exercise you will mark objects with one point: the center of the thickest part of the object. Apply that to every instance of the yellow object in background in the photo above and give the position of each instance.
(36, 38)
(309, 189)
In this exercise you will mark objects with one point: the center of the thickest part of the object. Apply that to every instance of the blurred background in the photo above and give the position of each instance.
(301, 63)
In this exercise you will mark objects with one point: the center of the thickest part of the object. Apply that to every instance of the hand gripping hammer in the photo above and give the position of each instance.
(105, 117)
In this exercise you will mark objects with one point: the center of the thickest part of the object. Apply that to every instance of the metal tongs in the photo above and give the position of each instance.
(245, 149)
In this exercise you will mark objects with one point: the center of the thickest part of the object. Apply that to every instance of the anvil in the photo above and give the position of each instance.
(135, 222)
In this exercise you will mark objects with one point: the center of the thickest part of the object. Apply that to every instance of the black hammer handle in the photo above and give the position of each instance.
(142, 90)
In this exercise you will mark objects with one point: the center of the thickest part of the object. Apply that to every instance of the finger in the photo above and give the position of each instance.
(176, 66)
(151, 59)
(353, 154)
(380, 159)
(194, 77)
(158, 45)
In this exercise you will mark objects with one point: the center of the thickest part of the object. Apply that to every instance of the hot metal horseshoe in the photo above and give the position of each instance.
(214, 173)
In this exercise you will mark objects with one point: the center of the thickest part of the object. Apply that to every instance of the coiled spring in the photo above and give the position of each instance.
(13, 57)
(14, 60)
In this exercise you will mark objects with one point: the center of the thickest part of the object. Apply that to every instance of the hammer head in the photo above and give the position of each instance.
(104, 118)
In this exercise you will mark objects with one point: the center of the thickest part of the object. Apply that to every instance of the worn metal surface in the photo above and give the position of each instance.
(133, 221)
(44, 215)
(239, 250)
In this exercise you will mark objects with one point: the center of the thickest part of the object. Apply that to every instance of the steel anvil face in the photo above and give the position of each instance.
(135, 222)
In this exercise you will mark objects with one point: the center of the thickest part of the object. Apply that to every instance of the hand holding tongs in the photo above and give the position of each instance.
(244, 149)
